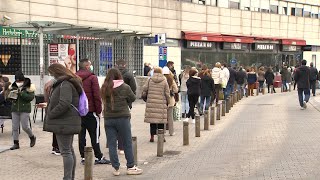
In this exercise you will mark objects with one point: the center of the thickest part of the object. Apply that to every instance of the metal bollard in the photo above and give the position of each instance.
(185, 133)
(88, 164)
(135, 149)
(197, 126)
(263, 89)
(257, 91)
(213, 115)
(227, 105)
(206, 120)
(237, 96)
(223, 108)
(160, 142)
(289, 87)
(231, 100)
(271, 89)
(219, 111)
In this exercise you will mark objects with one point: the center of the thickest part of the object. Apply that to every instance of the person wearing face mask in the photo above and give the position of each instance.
(22, 93)
(91, 121)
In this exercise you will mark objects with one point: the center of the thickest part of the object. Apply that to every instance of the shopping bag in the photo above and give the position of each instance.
(176, 113)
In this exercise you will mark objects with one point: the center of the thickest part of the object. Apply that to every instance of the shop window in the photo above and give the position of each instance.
(299, 12)
(234, 5)
(284, 10)
(293, 11)
(307, 14)
(315, 16)
(274, 9)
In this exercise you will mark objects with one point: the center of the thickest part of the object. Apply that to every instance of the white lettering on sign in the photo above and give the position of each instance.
(265, 47)
(198, 44)
(235, 45)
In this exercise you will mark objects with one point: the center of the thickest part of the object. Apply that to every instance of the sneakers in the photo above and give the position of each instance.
(15, 145)
(82, 161)
(121, 152)
(103, 160)
(305, 104)
(55, 151)
(134, 171)
(116, 172)
(301, 108)
(186, 120)
(32, 141)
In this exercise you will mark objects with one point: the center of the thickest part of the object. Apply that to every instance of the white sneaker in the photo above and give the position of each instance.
(186, 120)
(116, 172)
(301, 108)
(193, 121)
(305, 104)
(121, 152)
(134, 171)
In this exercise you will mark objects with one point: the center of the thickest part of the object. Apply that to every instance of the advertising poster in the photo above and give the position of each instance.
(10, 59)
(64, 54)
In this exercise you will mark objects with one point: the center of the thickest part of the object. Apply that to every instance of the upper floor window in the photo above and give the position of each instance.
(307, 14)
(293, 11)
(265, 10)
(299, 12)
(274, 9)
(234, 5)
(202, 2)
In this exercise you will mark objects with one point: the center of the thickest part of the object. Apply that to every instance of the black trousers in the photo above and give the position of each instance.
(313, 87)
(54, 141)
(193, 100)
(91, 123)
(154, 127)
(271, 89)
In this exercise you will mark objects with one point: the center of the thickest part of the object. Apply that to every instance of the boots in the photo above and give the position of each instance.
(32, 141)
(183, 115)
(152, 138)
(15, 145)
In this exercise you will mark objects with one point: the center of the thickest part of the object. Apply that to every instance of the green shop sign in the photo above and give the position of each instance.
(11, 32)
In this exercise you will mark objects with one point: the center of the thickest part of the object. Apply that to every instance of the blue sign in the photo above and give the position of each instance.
(162, 56)
(233, 61)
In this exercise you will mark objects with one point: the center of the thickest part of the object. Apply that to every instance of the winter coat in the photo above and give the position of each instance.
(183, 82)
(261, 75)
(225, 77)
(25, 96)
(92, 89)
(241, 77)
(173, 90)
(123, 98)
(61, 116)
(284, 74)
(158, 99)
(313, 74)
(146, 70)
(233, 75)
(193, 85)
(302, 77)
(206, 86)
(252, 77)
(129, 79)
(269, 76)
(216, 75)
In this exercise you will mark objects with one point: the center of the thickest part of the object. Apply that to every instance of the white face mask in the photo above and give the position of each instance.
(19, 84)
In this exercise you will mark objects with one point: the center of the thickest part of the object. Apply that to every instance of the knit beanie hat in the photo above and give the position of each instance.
(19, 76)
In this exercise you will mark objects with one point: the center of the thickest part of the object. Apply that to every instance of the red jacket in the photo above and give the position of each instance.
(92, 89)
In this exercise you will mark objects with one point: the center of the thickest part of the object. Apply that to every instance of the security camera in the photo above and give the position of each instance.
(6, 17)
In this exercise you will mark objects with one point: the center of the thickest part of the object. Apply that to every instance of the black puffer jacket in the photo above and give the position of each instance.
(269, 77)
(313, 74)
(61, 116)
(206, 86)
(193, 85)
(241, 77)
(302, 77)
(129, 79)
(233, 75)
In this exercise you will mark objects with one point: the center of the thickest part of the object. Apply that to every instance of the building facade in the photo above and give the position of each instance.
(250, 32)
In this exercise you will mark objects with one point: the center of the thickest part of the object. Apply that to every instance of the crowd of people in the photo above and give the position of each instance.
(195, 88)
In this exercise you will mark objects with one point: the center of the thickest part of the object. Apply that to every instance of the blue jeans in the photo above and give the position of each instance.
(241, 86)
(184, 102)
(284, 85)
(230, 89)
(204, 99)
(121, 126)
(306, 92)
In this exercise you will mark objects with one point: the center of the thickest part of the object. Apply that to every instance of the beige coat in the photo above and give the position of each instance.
(158, 98)
(174, 89)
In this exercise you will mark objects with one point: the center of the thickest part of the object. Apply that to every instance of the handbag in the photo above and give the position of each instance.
(176, 113)
(144, 95)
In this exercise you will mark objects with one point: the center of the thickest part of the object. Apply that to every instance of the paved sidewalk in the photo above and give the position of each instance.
(264, 137)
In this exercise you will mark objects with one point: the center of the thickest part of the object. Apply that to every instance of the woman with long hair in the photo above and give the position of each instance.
(173, 90)
(193, 85)
(62, 117)
(252, 79)
(207, 88)
(116, 97)
(157, 102)
(183, 78)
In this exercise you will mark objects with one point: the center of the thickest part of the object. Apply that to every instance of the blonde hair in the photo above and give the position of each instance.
(218, 65)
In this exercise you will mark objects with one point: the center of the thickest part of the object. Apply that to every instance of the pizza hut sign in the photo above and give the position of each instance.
(200, 45)
(264, 47)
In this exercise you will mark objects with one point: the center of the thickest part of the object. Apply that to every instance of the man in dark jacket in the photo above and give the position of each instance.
(91, 121)
(146, 69)
(313, 78)
(302, 77)
(241, 77)
(284, 74)
(231, 81)
(126, 75)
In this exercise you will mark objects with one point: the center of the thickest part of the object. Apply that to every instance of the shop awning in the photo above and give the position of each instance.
(213, 37)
